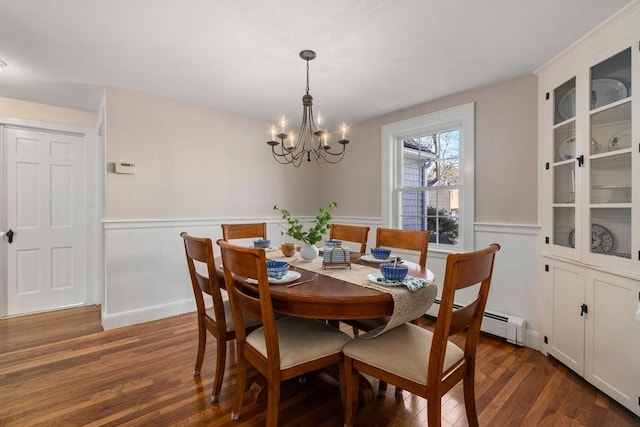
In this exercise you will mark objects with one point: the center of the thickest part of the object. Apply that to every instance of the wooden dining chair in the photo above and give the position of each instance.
(350, 233)
(282, 348)
(400, 356)
(216, 319)
(244, 231)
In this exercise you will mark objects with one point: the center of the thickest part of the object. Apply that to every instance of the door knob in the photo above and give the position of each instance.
(9, 235)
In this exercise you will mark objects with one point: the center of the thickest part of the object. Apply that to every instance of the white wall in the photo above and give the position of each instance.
(195, 164)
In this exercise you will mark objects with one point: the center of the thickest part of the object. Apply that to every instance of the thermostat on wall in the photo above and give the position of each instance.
(125, 167)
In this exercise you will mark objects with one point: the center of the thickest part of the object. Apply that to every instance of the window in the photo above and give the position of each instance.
(428, 176)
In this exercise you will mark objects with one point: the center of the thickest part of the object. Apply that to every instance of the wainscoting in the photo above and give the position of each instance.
(146, 276)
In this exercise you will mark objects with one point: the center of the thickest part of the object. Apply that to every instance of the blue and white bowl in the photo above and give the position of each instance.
(380, 253)
(391, 272)
(277, 269)
(264, 244)
(332, 243)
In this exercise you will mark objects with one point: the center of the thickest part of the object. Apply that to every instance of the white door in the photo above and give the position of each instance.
(45, 211)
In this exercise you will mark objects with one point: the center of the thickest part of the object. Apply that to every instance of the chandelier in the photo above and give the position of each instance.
(312, 141)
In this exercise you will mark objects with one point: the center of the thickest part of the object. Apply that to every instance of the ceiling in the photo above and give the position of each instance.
(374, 56)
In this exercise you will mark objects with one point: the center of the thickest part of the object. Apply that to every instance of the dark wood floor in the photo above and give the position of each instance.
(60, 369)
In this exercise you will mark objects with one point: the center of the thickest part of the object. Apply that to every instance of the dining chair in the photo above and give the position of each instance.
(400, 356)
(284, 347)
(244, 231)
(217, 318)
(350, 233)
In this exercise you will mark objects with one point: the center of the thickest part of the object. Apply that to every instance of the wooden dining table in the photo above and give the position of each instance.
(319, 296)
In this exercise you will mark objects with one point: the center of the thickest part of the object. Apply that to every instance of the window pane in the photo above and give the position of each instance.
(442, 209)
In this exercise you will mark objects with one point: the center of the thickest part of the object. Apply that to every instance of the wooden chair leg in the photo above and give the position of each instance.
(382, 388)
(470, 399)
(241, 383)
(202, 343)
(273, 402)
(352, 380)
(434, 411)
(221, 358)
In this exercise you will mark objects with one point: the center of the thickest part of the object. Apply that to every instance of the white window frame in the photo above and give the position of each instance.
(461, 117)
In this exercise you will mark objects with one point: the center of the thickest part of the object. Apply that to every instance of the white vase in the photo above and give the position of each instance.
(309, 252)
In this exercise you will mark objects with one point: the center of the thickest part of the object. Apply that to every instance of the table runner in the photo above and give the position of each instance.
(407, 305)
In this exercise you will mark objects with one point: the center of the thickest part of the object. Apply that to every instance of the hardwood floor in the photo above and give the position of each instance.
(60, 369)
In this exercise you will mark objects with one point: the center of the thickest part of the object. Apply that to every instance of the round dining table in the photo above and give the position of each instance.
(318, 296)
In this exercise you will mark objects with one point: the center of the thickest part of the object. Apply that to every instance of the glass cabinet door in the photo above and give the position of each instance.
(563, 165)
(610, 210)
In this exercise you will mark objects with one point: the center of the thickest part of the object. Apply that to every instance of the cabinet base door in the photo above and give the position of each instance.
(567, 330)
(612, 339)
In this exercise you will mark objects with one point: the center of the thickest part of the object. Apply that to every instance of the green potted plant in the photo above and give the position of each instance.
(313, 234)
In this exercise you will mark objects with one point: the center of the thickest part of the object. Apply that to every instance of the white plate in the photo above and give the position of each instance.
(567, 104)
(370, 258)
(290, 276)
(607, 91)
(567, 148)
(373, 277)
(620, 140)
(269, 249)
(601, 239)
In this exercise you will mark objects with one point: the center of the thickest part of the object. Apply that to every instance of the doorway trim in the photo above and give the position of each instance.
(94, 198)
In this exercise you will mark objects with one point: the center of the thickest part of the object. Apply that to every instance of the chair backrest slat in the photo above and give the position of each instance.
(244, 231)
(350, 233)
(405, 239)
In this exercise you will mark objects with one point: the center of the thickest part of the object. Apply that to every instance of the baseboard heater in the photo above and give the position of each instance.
(511, 328)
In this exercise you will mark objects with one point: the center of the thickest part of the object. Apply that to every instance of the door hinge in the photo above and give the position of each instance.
(546, 267)
(546, 340)
(546, 240)
(580, 160)
(546, 166)
(546, 96)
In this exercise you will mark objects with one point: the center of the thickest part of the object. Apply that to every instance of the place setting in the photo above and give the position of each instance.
(380, 255)
(394, 274)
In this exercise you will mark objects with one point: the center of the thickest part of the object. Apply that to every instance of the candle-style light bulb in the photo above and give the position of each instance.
(273, 132)
(324, 139)
(283, 124)
(291, 142)
(319, 121)
(344, 131)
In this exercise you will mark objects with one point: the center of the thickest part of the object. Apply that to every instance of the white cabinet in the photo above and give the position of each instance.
(589, 206)
(594, 329)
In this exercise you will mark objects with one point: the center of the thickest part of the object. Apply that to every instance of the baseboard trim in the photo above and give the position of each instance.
(146, 314)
